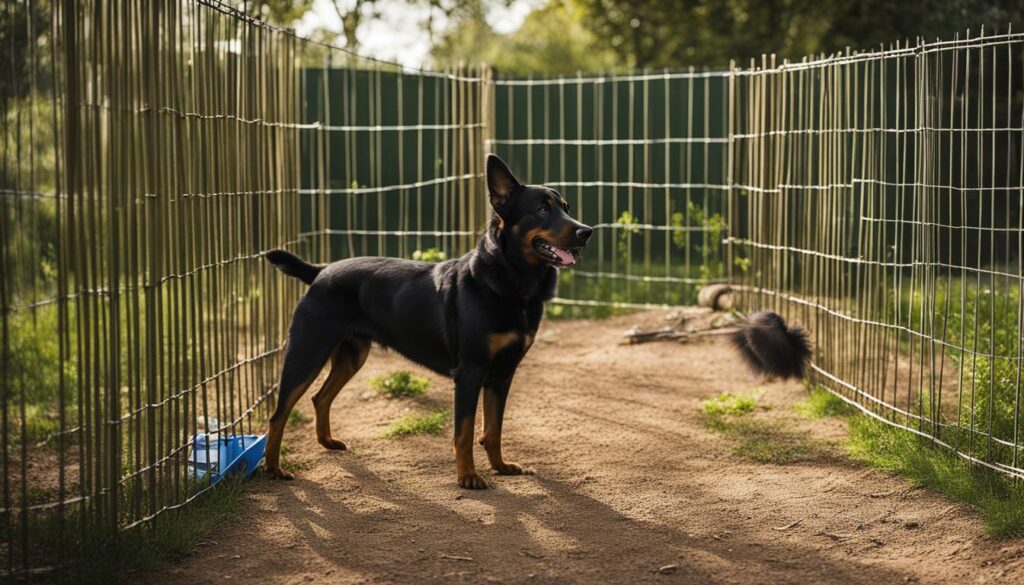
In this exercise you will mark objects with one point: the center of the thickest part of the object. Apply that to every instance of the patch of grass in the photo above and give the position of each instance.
(400, 384)
(999, 501)
(981, 316)
(728, 403)
(415, 424)
(766, 441)
(94, 555)
(756, 438)
(821, 403)
(296, 418)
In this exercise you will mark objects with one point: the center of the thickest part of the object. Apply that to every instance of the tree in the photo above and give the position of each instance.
(353, 13)
(279, 12)
(677, 33)
(552, 41)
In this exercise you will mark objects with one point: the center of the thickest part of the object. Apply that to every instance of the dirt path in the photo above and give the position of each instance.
(628, 480)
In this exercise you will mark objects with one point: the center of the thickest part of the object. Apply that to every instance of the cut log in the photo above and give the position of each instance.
(717, 297)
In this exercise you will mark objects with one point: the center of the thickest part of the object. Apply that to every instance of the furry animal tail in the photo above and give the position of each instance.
(770, 348)
(292, 265)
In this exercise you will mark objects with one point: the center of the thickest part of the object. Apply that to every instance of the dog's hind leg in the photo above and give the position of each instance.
(306, 354)
(348, 357)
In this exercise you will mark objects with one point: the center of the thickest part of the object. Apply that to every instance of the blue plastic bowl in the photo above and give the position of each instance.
(225, 456)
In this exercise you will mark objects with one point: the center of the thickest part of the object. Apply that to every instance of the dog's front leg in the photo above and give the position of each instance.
(495, 395)
(467, 394)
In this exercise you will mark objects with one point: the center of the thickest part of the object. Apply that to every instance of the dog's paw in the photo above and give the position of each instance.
(278, 473)
(472, 481)
(511, 469)
(333, 444)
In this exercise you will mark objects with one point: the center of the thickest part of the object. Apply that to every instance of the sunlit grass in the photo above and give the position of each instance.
(727, 403)
(754, 437)
(821, 403)
(416, 424)
(998, 500)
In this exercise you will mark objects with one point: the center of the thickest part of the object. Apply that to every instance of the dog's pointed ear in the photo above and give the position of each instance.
(501, 183)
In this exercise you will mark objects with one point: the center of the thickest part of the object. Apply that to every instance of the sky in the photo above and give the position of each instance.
(399, 35)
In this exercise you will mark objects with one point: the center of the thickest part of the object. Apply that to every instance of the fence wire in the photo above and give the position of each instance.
(154, 151)
(643, 159)
(877, 198)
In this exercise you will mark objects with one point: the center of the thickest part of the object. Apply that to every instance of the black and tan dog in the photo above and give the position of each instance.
(472, 318)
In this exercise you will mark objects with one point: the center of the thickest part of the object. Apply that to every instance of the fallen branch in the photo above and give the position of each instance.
(788, 526)
(455, 557)
(634, 336)
(667, 569)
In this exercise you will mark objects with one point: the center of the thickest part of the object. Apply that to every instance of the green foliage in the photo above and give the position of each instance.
(400, 384)
(998, 499)
(94, 555)
(821, 403)
(629, 226)
(712, 226)
(551, 41)
(667, 33)
(729, 404)
(429, 255)
(984, 323)
(279, 12)
(741, 264)
(415, 424)
(23, 25)
(33, 371)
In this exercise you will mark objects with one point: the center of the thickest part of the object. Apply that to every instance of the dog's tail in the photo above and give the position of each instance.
(770, 348)
(292, 265)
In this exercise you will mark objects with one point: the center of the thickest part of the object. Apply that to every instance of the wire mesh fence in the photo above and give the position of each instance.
(643, 159)
(877, 198)
(153, 151)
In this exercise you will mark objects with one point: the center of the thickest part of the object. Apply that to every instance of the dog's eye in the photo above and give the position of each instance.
(544, 209)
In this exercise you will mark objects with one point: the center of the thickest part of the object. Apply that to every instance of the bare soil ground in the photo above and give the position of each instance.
(628, 481)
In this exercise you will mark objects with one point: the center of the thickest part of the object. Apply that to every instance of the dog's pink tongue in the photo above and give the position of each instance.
(565, 256)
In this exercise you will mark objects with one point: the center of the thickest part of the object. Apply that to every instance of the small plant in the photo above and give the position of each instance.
(729, 404)
(630, 226)
(429, 255)
(741, 264)
(416, 424)
(713, 226)
(400, 384)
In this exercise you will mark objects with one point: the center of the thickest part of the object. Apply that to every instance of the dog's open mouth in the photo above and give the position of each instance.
(555, 255)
